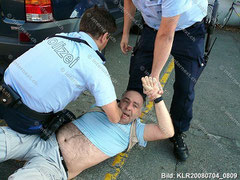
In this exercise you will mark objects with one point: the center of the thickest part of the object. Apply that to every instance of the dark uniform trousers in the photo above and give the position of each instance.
(188, 52)
(20, 122)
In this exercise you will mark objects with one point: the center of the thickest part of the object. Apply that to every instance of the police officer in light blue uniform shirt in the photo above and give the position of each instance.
(175, 27)
(56, 71)
(70, 74)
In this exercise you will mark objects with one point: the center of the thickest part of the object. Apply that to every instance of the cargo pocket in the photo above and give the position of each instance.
(201, 61)
(202, 64)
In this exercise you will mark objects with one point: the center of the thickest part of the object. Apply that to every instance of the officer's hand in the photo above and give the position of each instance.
(124, 44)
(150, 87)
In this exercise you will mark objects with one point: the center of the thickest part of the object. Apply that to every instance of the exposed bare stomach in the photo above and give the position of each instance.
(77, 151)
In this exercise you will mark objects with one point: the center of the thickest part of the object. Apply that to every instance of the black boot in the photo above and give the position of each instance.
(180, 148)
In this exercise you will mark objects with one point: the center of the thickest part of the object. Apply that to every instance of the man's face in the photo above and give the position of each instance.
(131, 105)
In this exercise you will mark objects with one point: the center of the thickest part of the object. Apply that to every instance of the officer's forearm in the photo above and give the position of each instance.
(164, 119)
(113, 112)
(129, 12)
(115, 117)
(162, 48)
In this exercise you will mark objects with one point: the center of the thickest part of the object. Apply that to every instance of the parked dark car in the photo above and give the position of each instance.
(24, 23)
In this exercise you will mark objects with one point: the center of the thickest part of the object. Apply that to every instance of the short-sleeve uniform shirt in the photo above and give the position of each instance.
(190, 11)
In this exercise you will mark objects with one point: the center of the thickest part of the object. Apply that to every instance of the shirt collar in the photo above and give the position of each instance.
(89, 39)
(84, 36)
(92, 43)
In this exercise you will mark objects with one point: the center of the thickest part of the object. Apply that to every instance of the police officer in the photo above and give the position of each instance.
(56, 71)
(174, 27)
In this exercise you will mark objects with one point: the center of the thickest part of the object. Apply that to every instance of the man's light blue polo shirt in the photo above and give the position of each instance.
(56, 71)
(190, 11)
(109, 137)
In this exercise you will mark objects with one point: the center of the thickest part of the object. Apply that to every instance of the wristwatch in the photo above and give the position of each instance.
(157, 100)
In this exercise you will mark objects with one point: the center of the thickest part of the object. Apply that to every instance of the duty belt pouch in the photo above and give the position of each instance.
(53, 124)
(8, 97)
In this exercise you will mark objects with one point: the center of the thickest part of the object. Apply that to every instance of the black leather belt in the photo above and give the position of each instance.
(63, 162)
(18, 104)
(194, 25)
(31, 113)
(146, 26)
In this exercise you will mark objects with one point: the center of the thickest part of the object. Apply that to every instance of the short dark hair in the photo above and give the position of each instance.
(97, 21)
(139, 92)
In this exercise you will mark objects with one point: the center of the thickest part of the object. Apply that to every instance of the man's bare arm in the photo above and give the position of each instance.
(163, 44)
(129, 12)
(164, 129)
(113, 112)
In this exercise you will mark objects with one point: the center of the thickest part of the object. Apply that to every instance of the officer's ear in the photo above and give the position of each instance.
(103, 39)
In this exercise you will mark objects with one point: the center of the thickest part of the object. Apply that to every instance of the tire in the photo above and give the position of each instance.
(227, 17)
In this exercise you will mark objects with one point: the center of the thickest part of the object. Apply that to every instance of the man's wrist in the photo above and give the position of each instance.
(158, 99)
(125, 33)
(155, 74)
